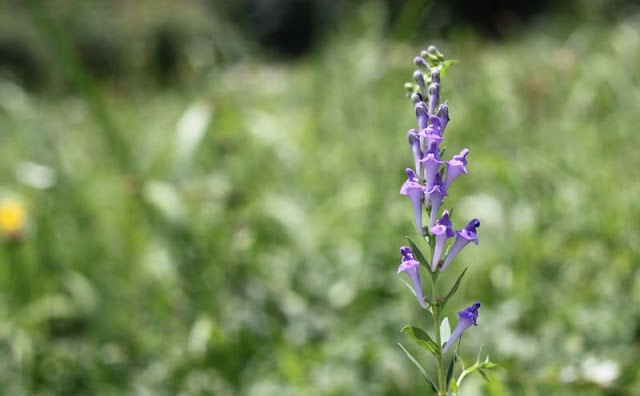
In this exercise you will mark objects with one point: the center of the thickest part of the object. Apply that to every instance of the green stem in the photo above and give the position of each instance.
(435, 311)
(464, 374)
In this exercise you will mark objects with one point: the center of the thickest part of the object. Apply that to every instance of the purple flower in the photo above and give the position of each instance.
(419, 77)
(468, 317)
(435, 125)
(435, 194)
(431, 162)
(432, 133)
(443, 115)
(411, 267)
(414, 190)
(443, 231)
(455, 167)
(414, 142)
(463, 237)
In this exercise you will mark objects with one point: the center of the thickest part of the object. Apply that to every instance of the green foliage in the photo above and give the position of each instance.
(445, 66)
(422, 338)
(445, 330)
(418, 254)
(420, 368)
(451, 383)
(479, 367)
(454, 288)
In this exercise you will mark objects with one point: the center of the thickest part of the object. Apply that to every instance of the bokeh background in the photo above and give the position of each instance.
(200, 197)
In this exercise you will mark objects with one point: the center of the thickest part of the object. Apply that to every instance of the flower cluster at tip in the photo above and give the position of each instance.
(428, 183)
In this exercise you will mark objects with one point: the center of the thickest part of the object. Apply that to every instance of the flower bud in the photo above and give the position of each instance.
(416, 98)
(419, 77)
(419, 61)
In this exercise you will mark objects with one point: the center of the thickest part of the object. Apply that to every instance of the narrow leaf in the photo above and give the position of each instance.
(445, 330)
(453, 386)
(420, 368)
(454, 289)
(483, 374)
(445, 65)
(488, 365)
(478, 357)
(418, 254)
(451, 212)
(452, 364)
(422, 338)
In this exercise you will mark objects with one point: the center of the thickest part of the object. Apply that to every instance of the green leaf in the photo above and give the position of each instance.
(418, 254)
(488, 364)
(422, 338)
(454, 289)
(444, 149)
(453, 386)
(483, 374)
(445, 330)
(452, 364)
(445, 66)
(420, 368)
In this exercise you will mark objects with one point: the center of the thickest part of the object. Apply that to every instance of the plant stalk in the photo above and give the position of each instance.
(435, 311)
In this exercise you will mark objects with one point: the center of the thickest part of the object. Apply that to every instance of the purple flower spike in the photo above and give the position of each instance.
(436, 194)
(414, 190)
(419, 77)
(463, 237)
(468, 318)
(422, 115)
(442, 230)
(416, 98)
(414, 142)
(431, 162)
(443, 115)
(456, 167)
(434, 97)
(411, 267)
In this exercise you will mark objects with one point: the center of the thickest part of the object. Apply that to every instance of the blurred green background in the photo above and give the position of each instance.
(201, 197)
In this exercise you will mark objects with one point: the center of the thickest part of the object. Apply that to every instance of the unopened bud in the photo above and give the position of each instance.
(443, 114)
(433, 50)
(422, 115)
(419, 77)
(434, 97)
(435, 75)
(419, 61)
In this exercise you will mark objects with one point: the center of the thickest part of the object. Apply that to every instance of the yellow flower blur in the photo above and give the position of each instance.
(12, 217)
